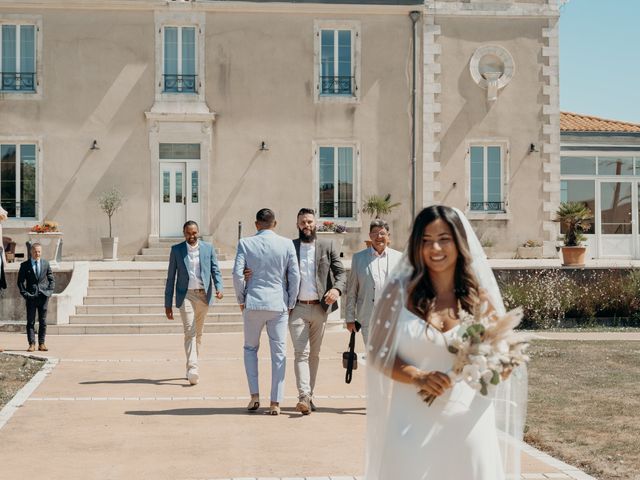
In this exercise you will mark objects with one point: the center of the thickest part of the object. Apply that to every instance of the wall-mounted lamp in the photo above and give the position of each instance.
(263, 146)
(94, 145)
(533, 148)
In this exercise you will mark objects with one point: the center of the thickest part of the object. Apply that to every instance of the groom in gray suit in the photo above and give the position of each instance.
(369, 270)
(322, 280)
(266, 299)
(194, 274)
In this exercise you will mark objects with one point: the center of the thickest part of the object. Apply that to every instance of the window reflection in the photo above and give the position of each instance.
(583, 191)
(615, 208)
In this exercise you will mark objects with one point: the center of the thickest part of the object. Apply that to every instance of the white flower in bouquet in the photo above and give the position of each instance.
(487, 348)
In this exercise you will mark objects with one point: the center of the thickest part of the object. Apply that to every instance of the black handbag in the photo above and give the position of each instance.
(350, 358)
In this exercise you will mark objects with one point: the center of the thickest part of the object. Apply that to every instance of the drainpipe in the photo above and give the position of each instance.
(415, 16)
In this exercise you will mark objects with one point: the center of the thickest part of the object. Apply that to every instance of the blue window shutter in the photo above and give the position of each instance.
(327, 187)
(28, 181)
(188, 51)
(494, 177)
(345, 182)
(477, 178)
(27, 49)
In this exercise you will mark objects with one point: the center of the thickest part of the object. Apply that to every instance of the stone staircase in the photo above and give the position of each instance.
(131, 301)
(158, 251)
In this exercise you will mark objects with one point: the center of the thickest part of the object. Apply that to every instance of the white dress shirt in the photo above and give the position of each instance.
(379, 270)
(195, 276)
(308, 288)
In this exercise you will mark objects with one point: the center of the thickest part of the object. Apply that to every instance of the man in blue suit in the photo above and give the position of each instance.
(266, 299)
(195, 265)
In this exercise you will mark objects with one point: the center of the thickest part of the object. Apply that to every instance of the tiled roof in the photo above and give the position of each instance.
(574, 122)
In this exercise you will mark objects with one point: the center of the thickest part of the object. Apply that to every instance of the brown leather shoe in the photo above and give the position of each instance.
(32, 347)
(304, 406)
(43, 348)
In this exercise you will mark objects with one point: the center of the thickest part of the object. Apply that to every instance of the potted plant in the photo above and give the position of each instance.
(530, 249)
(48, 235)
(575, 217)
(110, 202)
(332, 229)
(376, 205)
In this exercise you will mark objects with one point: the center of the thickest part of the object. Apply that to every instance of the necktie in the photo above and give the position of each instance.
(38, 269)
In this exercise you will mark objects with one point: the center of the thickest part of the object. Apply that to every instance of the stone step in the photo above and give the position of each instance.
(162, 257)
(160, 272)
(139, 328)
(151, 299)
(155, 309)
(133, 290)
(163, 243)
(140, 318)
(138, 282)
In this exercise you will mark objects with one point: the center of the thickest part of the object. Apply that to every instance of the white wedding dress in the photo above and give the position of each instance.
(453, 439)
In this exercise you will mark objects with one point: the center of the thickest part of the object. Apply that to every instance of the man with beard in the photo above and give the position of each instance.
(369, 271)
(322, 280)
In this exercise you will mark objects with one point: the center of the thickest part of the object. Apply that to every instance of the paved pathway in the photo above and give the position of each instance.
(117, 407)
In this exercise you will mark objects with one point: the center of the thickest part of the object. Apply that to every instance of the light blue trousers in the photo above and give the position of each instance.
(276, 322)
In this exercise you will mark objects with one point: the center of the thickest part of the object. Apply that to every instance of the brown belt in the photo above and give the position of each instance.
(309, 302)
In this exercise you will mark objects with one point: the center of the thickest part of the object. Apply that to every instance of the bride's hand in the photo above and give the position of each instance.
(431, 383)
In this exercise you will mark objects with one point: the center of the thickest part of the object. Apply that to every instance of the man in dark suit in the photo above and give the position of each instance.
(322, 280)
(36, 284)
(3, 280)
(194, 276)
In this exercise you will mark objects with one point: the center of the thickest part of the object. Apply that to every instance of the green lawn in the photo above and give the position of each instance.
(584, 405)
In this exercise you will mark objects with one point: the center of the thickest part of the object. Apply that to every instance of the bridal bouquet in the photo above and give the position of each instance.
(486, 349)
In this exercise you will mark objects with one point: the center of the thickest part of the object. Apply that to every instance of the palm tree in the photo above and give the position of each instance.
(576, 218)
(376, 205)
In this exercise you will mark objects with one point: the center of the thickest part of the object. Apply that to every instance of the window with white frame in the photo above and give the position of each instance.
(18, 58)
(179, 73)
(18, 179)
(486, 178)
(336, 174)
(337, 59)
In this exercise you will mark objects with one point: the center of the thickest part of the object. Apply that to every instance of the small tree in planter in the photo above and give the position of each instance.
(110, 202)
(576, 218)
(376, 205)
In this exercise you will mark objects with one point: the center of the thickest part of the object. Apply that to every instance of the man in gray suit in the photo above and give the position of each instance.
(266, 298)
(369, 270)
(194, 274)
(322, 281)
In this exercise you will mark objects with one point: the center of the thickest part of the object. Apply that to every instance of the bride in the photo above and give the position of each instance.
(462, 435)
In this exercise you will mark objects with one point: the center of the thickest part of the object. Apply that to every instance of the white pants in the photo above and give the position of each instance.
(193, 312)
(306, 326)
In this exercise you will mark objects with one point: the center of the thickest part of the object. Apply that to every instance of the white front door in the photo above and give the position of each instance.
(617, 220)
(173, 201)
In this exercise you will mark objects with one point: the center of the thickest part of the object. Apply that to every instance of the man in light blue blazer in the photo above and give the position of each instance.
(194, 274)
(266, 299)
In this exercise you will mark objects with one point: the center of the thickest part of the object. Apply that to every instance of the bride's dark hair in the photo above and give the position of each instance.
(420, 291)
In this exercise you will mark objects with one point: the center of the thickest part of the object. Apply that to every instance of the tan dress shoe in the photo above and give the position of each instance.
(32, 347)
(304, 405)
(254, 403)
(274, 410)
(43, 348)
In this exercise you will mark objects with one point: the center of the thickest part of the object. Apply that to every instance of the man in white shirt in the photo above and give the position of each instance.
(369, 271)
(194, 274)
(322, 281)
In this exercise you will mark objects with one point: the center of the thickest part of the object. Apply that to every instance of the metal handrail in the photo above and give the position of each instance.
(337, 85)
(18, 81)
(180, 83)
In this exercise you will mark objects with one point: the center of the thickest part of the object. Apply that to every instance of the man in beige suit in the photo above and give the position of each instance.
(369, 270)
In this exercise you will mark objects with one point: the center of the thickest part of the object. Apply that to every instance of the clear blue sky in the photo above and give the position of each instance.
(600, 58)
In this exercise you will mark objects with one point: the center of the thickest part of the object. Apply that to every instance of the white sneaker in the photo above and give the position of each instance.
(193, 377)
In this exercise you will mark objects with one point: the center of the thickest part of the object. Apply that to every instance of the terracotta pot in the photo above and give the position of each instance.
(368, 243)
(573, 256)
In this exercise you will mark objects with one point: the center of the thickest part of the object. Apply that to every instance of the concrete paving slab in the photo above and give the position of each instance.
(117, 407)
